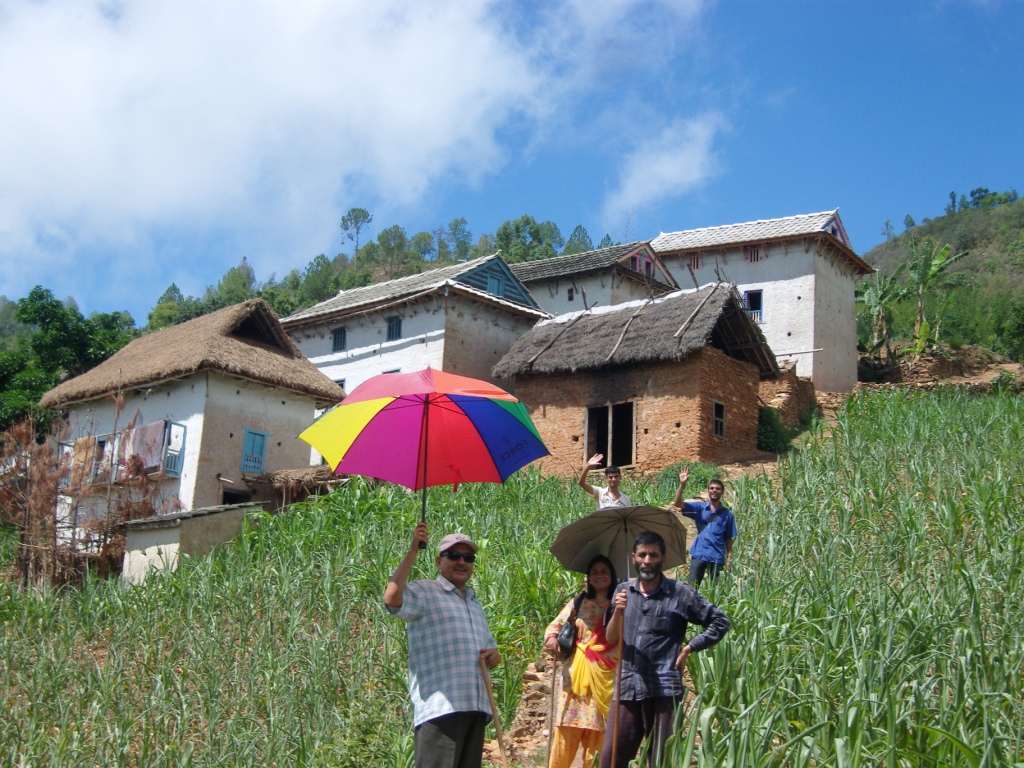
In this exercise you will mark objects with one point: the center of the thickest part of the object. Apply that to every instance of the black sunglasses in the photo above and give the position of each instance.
(469, 557)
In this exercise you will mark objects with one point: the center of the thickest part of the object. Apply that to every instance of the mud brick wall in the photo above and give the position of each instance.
(791, 395)
(673, 410)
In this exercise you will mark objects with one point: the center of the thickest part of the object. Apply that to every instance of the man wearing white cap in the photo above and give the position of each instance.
(448, 635)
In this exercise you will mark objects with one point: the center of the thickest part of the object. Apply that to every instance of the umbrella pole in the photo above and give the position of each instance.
(494, 711)
(618, 669)
(426, 443)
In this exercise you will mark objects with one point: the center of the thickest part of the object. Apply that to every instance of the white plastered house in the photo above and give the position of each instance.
(601, 278)
(797, 276)
(203, 409)
(460, 318)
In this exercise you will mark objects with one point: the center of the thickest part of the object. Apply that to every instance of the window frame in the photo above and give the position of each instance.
(753, 254)
(339, 339)
(613, 444)
(394, 330)
(757, 315)
(253, 463)
(718, 421)
(496, 284)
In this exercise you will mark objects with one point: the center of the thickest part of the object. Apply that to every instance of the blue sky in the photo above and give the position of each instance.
(144, 142)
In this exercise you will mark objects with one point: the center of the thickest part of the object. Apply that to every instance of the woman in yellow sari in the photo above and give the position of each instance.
(588, 678)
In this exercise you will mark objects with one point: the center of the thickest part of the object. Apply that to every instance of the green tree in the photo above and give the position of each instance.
(579, 241)
(908, 223)
(394, 245)
(319, 282)
(926, 268)
(484, 246)
(459, 238)
(11, 331)
(880, 293)
(353, 222)
(62, 344)
(422, 244)
(526, 239)
(237, 285)
(606, 242)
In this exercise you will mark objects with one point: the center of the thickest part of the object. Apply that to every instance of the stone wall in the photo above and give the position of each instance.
(790, 394)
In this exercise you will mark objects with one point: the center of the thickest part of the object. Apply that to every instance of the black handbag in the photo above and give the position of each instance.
(567, 634)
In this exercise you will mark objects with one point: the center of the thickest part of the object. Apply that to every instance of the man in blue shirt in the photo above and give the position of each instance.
(651, 614)
(711, 551)
(448, 635)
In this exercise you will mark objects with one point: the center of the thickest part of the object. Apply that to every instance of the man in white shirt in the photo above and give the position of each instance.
(605, 497)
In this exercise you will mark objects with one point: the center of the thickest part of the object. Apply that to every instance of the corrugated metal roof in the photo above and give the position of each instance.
(752, 231)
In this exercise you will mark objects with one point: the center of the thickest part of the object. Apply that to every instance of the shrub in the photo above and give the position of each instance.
(772, 434)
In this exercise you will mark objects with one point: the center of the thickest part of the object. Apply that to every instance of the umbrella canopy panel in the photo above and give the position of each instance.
(395, 427)
(611, 532)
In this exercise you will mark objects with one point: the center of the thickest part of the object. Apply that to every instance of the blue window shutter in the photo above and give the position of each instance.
(254, 452)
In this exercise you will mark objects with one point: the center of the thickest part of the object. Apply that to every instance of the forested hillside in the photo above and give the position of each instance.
(976, 299)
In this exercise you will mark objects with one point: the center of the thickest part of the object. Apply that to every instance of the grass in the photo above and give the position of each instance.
(875, 600)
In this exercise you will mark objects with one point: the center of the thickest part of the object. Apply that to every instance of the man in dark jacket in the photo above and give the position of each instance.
(652, 614)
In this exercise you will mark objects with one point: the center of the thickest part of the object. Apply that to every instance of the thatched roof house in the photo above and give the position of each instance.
(645, 383)
(245, 340)
(664, 329)
(202, 409)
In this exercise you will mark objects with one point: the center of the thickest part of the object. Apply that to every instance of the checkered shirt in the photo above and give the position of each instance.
(446, 635)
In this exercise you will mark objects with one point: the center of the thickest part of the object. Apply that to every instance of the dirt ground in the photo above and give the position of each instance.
(527, 740)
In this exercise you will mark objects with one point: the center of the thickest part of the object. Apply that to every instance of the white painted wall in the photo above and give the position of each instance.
(602, 290)
(808, 304)
(148, 550)
(181, 401)
(234, 405)
(835, 331)
(367, 351)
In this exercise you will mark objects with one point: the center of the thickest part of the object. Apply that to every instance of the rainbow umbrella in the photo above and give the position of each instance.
(427, 428)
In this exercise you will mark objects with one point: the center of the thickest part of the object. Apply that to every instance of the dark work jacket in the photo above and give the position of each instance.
(655, 632)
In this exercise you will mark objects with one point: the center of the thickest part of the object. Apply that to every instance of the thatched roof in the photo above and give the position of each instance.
(613, 258)
(245, 340)
(668, 328)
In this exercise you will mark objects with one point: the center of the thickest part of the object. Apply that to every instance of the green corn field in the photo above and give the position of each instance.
(876, 600)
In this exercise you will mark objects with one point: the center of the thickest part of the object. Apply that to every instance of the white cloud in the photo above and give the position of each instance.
(140, 133)
(677, 160)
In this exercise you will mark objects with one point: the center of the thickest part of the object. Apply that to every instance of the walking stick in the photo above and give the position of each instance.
(494, 711)
(551, 714)
(618, 694)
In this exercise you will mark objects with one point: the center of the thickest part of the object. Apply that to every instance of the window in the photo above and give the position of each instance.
(753, 253)
(496, 284)
(610, 431)
(649, 268)
(752, 302)
(695, 261)
(340, 383)
(571, 294)
(338, 339)
(394, 328)
(254, 452)
(718, 418)
(174, 448)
